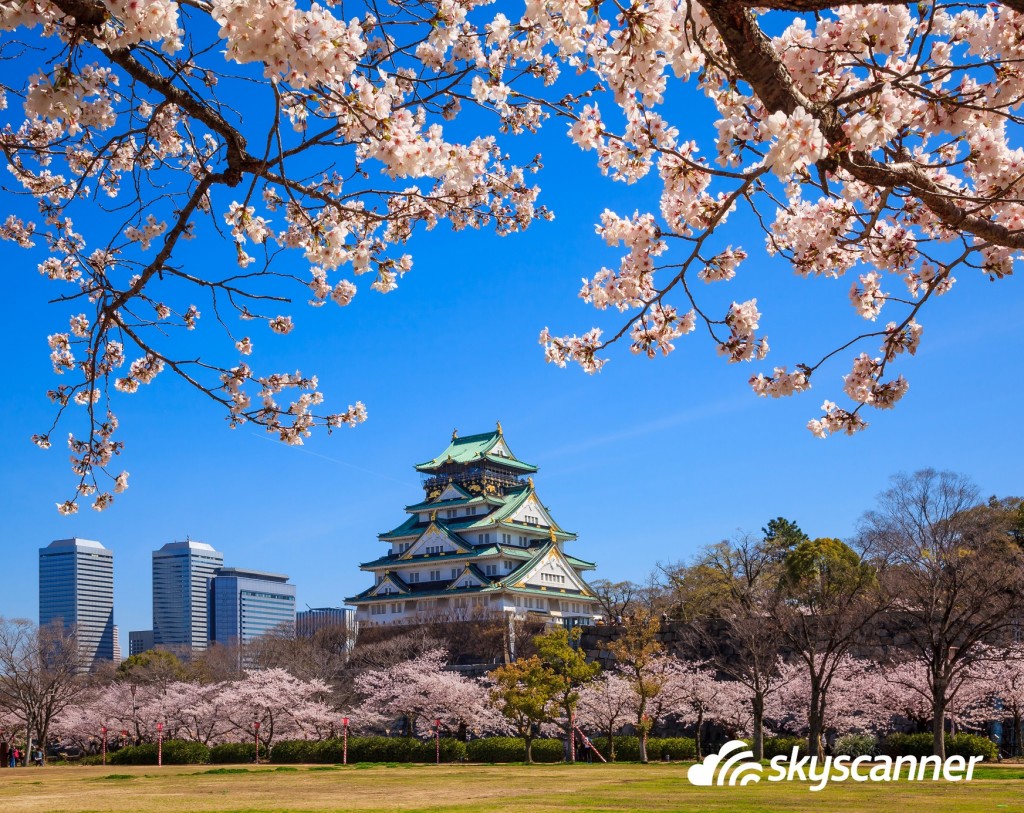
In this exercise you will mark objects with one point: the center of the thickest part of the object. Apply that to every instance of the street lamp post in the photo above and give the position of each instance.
(104, 730)
(437, 739)
(256, 738)
(344, 740)
(159, 744)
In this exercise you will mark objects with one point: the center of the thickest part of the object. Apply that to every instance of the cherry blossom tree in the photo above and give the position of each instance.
(954, 571)
(420, 691)
(968, 695)
(40, 676)
(873, 140)
(1006, 679)
(692, 695)
(282, 704)
(860, 699)
(605, 705)
(120, 706)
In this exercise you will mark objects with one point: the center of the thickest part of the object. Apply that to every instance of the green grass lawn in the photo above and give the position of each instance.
(473, 789)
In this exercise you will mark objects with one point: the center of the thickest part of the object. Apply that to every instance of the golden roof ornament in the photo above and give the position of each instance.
(530, 481)
(433, 515)
(499, 428)
(455, 434)
(551, 530)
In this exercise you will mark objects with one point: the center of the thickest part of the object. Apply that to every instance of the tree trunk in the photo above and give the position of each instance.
(939, 716)
(529, 748)
(696, 736)
(611, 744)
(1018, 732)
(757, 705)
(815, 722)
(643, 745)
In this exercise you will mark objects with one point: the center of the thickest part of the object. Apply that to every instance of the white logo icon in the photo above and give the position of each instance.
(731, 765)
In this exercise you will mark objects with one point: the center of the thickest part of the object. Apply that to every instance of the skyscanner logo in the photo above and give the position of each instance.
(732, 766)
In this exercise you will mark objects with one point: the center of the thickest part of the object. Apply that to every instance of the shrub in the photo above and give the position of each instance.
(775, 746)
(290, 751)
(971, 745)
(513, 749)
(232, 753)
(175, 752)
(673, 747)
(857, 745)
(627, 749)
(368, 749)
(908, 745)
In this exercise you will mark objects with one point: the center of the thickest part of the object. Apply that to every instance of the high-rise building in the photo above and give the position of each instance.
(76, 585)
(139, 641)
(308, 622)
(245, 604)
(117, 646)
(479, 543)
(181, 585)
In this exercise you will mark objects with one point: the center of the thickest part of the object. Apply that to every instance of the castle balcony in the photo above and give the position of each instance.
(487, 479)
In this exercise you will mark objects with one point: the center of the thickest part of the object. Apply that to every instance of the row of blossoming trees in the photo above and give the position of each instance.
(538, 695)
(915, 624)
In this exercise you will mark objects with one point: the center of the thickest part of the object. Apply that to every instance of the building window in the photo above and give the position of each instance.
(491, 570)
(471, 511)
(378, 609)
(434, 549)
(451, 512)
(531, 520)
(552, 578)
(455, 573)
(485, 538)
(414, 578)
(506, 539)
(435, 575)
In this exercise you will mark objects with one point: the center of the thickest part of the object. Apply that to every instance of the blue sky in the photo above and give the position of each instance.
(647, 461)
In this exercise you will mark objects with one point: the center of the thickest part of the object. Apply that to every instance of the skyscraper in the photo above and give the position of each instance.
(76, 585)
(181, 584)
(245, 604)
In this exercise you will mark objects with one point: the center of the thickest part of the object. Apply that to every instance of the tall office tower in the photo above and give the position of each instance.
(245, 604)
(181, 586)
(76, 585)
(117, 646)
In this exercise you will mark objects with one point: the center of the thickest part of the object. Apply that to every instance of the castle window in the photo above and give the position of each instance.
(451, 512)
(435, 575)
(414, 578)
(455, 572)
(378, 609)
(471, 511)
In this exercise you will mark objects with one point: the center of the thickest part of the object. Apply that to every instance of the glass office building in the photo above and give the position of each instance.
(181, 587)
(76, 585)
(245, 604)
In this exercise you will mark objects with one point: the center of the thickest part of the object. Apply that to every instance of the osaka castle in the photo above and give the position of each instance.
(480, 544)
